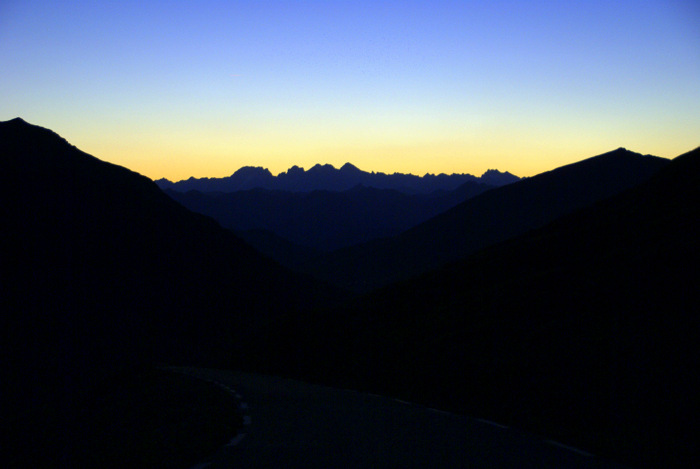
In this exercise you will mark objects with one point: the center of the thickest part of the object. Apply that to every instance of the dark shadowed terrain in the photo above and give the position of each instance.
(298, 425)
(491, 217)
(102, 272)
(325, 220)
(585, 329)
(564, 304)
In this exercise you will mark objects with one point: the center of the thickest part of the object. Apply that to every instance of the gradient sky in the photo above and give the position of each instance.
(177, 89)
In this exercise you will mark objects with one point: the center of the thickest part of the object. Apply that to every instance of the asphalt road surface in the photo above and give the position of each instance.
(290, 424)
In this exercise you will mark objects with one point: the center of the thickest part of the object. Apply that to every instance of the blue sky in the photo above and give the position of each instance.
(178, 89)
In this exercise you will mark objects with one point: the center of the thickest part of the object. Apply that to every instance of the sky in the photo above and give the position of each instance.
(182, 88)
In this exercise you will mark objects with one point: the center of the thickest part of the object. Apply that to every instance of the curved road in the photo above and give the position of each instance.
(292, 424)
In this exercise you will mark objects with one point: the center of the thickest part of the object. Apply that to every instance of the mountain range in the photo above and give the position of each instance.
(327, 178)
(486, 219)
(303, 229)
(585, 328)
(323, 220)
(564, 304)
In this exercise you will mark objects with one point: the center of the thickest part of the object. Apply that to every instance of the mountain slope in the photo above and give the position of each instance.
(486, 219)
(102, 271)
(325, 220)
(585, 330)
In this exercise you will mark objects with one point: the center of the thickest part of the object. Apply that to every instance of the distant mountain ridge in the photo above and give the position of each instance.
(486, 219)
(101, 241)
(585, 330)
(324, 220)
(326, 177)
(564, 304)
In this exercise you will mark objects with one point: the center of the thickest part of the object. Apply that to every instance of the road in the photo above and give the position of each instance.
(292, 424)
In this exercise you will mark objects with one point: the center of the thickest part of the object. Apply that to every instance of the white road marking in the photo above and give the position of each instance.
(440, 411)
(402, 402)
(246, 420)
(243, 405)
(570, 448)
(494, 424)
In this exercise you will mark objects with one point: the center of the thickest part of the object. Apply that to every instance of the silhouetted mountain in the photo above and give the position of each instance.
(102, 271)
(280, 249)
(585, 330)
(496, 178)
(327, 178)
(489, 218)
(324, 220)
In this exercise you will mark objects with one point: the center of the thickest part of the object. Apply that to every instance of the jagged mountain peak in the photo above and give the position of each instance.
(498, 178)
(488, 218)
(322, 167)
(349, 167)
(294, 170)
(252, 170)
(327, 177)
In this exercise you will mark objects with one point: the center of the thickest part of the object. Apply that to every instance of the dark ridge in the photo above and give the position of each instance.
(347, 167)
(323, 220)
(491, 217)
(585, 330)
(103, 272)
(278, 248)
(326, 177)
(498, 178)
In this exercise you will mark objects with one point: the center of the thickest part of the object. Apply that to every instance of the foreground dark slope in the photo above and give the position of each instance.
(102, 271)
(486, 219)
(585, 330)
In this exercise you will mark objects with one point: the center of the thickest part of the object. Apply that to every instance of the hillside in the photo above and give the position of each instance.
(325, 220)
(489, 218)
(103, 272)
(564, 304)
(585, 330)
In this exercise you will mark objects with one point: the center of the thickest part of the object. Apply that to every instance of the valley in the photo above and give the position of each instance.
(562, 305)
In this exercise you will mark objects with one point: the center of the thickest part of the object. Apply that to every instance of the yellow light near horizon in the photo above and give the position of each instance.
(178, 154)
